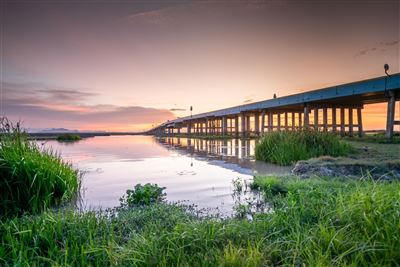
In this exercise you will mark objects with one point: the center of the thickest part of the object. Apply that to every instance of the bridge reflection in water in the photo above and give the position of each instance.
(235, 154)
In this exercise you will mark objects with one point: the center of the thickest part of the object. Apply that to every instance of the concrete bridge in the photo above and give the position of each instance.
(337, 109)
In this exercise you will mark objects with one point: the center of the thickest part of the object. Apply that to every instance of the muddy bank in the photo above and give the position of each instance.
(335, 167)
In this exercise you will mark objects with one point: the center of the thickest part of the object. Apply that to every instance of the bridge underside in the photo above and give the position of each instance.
(336, 112)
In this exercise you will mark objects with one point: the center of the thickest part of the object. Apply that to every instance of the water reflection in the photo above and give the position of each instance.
(199, 171)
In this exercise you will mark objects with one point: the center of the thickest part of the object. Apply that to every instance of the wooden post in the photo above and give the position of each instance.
(350, 121)
(359, 122)
(316, 119)
(306, 117)
(262, 121)
(325, 119)
(334, 119)
(390, 115)
(342, 122)
(257, 123)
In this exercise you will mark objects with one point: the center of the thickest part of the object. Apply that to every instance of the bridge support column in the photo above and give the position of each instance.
(342, 122)
(350, 121)
(262, 122)
(224, 125)
(257, 123)
(359, 122)
(243, 124)
(293, 121)
(237, 126)
(390, 115)
(279, 121)
(316, 121)
(206, 127)
(248, 127)
(270, 121)
(306, 117)
(178, 130)
(300, 121)
(325, 119)
(286, 122)
(334, 119)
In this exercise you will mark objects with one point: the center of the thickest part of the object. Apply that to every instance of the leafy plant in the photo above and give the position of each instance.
(143, 195)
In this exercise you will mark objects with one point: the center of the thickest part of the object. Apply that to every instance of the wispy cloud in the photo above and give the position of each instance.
(55, 108)
(177, 109)
(379, 47)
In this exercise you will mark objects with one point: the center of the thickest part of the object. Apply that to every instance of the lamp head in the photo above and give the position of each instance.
(386, 67)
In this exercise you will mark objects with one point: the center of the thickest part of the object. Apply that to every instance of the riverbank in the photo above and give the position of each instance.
(313, 222)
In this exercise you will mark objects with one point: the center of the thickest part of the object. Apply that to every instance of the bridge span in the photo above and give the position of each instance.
(337, 109)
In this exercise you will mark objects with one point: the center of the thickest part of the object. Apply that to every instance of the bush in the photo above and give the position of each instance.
(285, 148)
(143, 195)
(68, 137)
(31, 179)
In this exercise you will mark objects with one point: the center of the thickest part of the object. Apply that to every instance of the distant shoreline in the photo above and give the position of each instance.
(54, 135)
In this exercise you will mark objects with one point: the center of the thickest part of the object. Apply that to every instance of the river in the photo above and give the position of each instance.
(197, 171)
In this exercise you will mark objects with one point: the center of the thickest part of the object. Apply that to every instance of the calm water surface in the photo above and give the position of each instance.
(198, 171)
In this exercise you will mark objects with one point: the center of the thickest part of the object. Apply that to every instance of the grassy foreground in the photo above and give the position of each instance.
(32, 179)
(313, 222)
(288, 147)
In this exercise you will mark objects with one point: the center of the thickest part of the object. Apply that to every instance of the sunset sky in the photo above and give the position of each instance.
(126, 65)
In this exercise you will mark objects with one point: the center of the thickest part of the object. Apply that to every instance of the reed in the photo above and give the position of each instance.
(32, 179)
(287, 147)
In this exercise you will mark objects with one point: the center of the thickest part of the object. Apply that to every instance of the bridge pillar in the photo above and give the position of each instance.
(286, 121)
(300, 120)
(248, 125)
(359, 122)
(293, 121)
(206, 126)
(224, 125)
(350, 121)
(243, 124)
(270, 122)
(189, 128)
(306, 116)
(334, 119)
(262, 121)
(257, 123)
(342, 122)
(237, 126)
(325, 118)
(279, 121)
(316, 121)
(179, 130)
(390, 115)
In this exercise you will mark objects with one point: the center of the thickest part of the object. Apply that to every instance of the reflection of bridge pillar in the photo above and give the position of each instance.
(257, 123)
(359, 122)
(224, 147)
(390, 114)
(262, 121)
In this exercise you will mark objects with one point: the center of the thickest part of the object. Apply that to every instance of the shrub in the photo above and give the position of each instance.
(143, 195)
(68, 138)
(285, 148)
(31, 179)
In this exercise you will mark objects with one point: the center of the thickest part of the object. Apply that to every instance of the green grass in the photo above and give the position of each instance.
(68, 137)
(285, 148)
(317, 222)
(32, 179)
